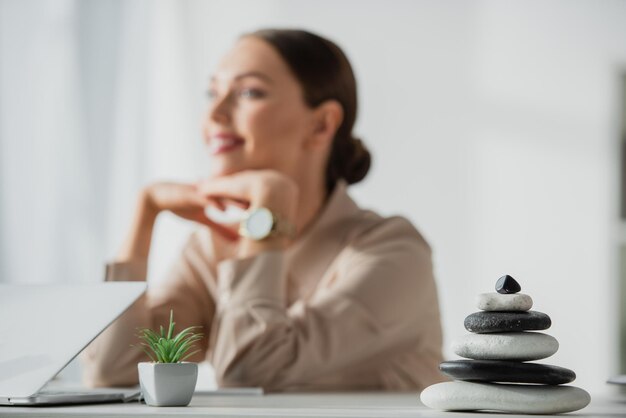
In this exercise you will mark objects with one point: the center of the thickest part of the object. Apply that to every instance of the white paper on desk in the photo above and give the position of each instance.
(231, 392)
(618, 380)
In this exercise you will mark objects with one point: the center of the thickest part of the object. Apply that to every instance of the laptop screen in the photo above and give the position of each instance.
(43, 327)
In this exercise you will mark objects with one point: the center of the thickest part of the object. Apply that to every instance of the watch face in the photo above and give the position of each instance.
(259, 223)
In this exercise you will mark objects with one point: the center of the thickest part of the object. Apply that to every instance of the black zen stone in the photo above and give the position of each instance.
(485, 322)
(507, 371)
(507, 284)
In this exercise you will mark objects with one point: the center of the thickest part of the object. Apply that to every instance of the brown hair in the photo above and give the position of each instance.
(325, 73)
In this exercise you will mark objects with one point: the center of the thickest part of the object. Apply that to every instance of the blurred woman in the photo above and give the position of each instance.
(308, 291)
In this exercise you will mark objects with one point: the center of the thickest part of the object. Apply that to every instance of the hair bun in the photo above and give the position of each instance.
(357, 161)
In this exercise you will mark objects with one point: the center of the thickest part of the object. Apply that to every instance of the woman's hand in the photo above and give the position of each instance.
(254, 189)
(251, 188)
(185, 201)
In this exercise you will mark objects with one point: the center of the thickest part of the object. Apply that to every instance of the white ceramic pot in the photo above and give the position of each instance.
(167, 384)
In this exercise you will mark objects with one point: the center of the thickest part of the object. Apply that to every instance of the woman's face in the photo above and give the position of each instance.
(257, 118)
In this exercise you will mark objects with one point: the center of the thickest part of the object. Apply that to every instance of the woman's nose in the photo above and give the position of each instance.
(221, 108)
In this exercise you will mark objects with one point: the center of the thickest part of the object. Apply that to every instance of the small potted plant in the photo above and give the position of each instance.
(168, 380)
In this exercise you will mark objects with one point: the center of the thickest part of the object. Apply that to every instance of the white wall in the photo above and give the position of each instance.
(493, 128)
(544, 166)
(492, 124)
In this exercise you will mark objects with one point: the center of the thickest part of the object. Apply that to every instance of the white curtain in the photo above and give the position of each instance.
(95, 102)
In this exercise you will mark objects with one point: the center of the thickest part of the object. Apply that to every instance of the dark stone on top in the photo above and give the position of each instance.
(507, 371)
(507, 284)
(494, 321)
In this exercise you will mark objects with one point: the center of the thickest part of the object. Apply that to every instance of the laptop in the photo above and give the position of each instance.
(44, 327)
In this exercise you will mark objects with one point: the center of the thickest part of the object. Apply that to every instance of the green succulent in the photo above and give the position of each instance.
(165, 347)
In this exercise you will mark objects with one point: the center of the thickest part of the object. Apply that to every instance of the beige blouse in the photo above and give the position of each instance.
(351, 305)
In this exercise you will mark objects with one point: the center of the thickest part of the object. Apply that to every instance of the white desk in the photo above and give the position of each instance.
(293, 405)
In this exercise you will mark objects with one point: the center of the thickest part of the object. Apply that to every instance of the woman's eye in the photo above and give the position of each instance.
(212, 94)
(251, 93)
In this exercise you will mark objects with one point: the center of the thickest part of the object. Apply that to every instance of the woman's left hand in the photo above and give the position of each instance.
(257, 188)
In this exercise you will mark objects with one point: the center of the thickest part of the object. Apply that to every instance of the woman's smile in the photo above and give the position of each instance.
(223, 142)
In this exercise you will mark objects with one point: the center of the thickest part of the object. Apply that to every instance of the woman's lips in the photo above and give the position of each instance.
(222, 143)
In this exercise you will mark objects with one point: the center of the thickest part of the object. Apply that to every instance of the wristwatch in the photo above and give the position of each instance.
(260, 223)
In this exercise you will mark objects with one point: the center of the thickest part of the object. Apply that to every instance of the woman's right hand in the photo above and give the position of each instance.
(182, 200)
(185, 201)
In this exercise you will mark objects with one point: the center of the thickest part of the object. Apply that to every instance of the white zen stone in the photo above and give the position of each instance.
(508, 302)
(508, 398)
(518, 346)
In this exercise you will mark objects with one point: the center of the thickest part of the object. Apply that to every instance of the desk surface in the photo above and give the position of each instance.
(293, 405)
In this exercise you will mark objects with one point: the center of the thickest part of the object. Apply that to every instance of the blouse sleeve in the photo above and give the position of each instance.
(111, 359)
(383, 297)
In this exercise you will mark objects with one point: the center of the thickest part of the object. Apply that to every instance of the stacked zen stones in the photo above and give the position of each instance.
(504, 338)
